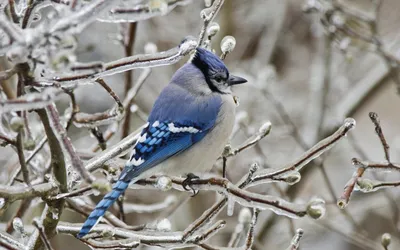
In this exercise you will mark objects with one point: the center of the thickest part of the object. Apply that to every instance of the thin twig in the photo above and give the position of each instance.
(129, 43)
(21, 156)
(66, 142)
(43, 235)
(378, 129)
(295, 243)
(13, 13)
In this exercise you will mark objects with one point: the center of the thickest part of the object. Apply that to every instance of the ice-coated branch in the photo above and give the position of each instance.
(80, 206)
(378, 129)
(13, 13)
(42, 234)
(366, 185)
(67, 144)
(141, 11)
(264, 130)
(9, 242)
(295, 243)
(11, 29)
(314, 152)
(98, 119)
(137, 61)
(4, 140)
(244, 220)
(13, 193)
(75, 22)
(30, 101)
(150, 238)
(110, 91)
(250, 233)
(21, 157)
(378, 166)
(129, 243)
(349, 187)
(262, 175)
(236, 194)
(208, 16)
(4, 75)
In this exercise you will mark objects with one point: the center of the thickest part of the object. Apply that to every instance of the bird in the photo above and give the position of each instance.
(187, 129)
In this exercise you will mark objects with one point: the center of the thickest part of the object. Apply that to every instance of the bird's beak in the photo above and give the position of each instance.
(233, 80)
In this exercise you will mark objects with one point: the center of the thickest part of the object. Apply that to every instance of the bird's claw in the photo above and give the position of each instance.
(187, 183)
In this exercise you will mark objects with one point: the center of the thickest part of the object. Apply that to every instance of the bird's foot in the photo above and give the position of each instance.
(187, 183)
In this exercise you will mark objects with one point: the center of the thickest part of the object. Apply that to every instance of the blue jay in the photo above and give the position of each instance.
(187, 129)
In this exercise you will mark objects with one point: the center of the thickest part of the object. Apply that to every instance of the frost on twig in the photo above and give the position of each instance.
(295, 243)
(316, 206)
(356, 182)
(208, 16)
(133, 62)
(30, 101)
(128, 11)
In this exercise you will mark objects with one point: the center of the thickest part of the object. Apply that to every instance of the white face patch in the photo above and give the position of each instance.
(174, 129)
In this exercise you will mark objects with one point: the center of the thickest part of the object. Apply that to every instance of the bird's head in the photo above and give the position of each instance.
(215, 72)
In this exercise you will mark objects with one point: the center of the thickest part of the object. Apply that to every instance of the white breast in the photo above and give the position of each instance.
(201, 157)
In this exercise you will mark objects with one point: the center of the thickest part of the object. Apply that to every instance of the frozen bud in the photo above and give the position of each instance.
(107, 233)
(187, 45)
(206, 14)
(164, 225)
(292, 178)
(385, 240)
(300, 232)
(316, 208)
(213, 29)
(134, 108)
(228, 43)
(18, 225)
(207, 3)
(17, 123)
(365, 185)
(311, 6)
(350, 123)
(227, 150)
(164, 183)
(265, 128)
(338, 19)
(244, 216)
(29, 144)
(332, 29)
(102, 186)
(158, 5)
(150, 48)
(207, 44)
(254, 167)
(344, 43)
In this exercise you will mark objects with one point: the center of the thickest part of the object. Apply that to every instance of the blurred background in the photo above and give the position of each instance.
(306, 77)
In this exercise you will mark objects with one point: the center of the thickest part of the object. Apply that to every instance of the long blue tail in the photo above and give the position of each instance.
(101, 208)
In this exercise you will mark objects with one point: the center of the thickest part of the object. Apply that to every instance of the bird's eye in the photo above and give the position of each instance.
(218, 79)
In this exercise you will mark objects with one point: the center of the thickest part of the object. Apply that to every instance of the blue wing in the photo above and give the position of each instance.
(178, 121)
